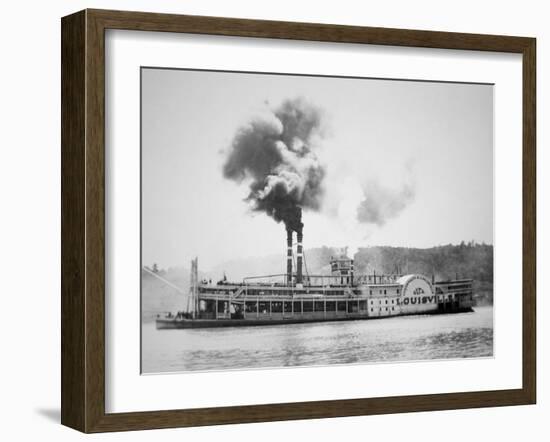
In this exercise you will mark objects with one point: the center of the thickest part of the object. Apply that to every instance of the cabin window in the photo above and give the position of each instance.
(264, 307)
(297, 307)
(398, 291)
(370, 292)
(250, 307)
(384, 291)
(308, 306)
(288, 307)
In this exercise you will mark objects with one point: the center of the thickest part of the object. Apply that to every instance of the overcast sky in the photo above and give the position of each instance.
(421, 152)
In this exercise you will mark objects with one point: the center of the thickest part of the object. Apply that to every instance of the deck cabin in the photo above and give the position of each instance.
(340, 295)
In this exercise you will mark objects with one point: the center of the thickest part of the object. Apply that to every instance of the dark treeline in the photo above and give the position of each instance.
(466, 260)
(462, 261)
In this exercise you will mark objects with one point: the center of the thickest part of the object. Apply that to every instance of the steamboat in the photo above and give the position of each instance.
(298, 297)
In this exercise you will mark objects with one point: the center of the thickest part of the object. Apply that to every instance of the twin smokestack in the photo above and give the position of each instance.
(299, 254)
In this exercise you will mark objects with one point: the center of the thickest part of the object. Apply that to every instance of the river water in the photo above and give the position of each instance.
(406, 338)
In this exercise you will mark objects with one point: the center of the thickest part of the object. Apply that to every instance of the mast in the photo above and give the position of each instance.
(193, 289)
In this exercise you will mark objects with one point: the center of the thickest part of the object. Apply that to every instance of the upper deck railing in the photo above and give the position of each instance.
(323, 280)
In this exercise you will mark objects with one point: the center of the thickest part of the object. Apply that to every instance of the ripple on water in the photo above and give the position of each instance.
(410, 338)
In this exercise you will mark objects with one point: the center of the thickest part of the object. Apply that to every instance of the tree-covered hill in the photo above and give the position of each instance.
(466, 260)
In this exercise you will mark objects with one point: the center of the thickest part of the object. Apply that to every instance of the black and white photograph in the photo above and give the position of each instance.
(297, 220)
(300, 220)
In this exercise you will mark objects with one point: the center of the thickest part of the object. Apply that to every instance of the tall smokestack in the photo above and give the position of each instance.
(289, 255)
(300, 255)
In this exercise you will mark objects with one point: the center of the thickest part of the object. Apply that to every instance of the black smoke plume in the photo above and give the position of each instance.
(276, 152)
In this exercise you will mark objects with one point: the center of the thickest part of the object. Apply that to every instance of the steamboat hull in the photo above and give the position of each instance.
(168, 324)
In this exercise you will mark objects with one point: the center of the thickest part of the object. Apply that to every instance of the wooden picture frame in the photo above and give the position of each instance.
(83, 220)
